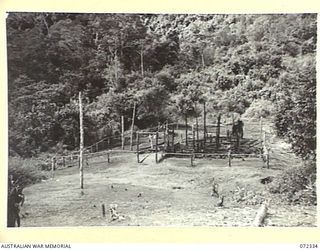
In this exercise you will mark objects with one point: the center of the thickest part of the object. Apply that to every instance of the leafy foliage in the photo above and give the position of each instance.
(167, 65)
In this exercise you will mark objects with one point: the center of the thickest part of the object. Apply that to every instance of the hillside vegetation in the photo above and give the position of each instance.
(253, 65)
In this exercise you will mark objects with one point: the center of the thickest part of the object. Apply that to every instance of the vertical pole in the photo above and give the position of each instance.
(173, 139)
(53, 165)
(261, 139)
(141, 58)
(186, 125)
(157, 137)
(193, 138)
(81, 141)
(204, 123)
(192, 159)
(166, 139)
(193, 145)
(229, 156)
(218, 132)
(108, 157)
(197, 129)
(63, 162)
(137, 138)
(103, 210)
(133, 116)
(122, 132)
(268, 158)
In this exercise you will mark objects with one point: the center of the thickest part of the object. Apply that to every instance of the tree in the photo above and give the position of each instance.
(296, 117)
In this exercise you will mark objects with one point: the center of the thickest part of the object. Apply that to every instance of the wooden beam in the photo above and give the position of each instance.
(81, 140)
(122, 132)
(156, 155)
(53, 165)
(204, 123)
(137, 151)
(218, 132)
(133, 116)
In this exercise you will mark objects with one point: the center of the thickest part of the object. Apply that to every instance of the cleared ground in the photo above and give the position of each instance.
(171, 193)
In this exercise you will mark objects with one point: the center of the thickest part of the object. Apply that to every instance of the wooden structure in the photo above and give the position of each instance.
(195, 141)
(81, 141)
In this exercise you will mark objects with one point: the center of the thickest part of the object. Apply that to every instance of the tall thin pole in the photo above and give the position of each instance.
(141, 58)
(261, 139)
(218, 132)
(186, 124)
(137, 151)
(81, 141)
(173, 147)
(122, 132)
(157, 139)
(133, 116)
(193, 136)
(204, 123)
(197, 128)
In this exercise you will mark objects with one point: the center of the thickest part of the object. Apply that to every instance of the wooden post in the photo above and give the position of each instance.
(133, 116)
(229, 156)
(137, 152)
(81, 141)
(173, 139)
(186, 124)
(261, 139)
(141, 59)
(193, 138)
(265, 151)
(267, 156)
(122, 132)
(108, 157)
(218, 132)
(192, 155)
(197, 130)
(157, 138)
(53, 165)
(103, 211)
(204, 123)
(166, 140)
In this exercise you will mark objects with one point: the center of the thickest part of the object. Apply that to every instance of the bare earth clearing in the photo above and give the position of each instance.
(170, 193)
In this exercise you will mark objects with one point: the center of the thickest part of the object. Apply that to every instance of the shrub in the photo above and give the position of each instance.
(28, 171)
(297, 185)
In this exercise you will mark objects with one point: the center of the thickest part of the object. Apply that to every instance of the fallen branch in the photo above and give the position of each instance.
(261, 215)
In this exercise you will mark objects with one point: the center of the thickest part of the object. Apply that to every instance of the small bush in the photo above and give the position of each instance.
(28, 171)
(297, 185)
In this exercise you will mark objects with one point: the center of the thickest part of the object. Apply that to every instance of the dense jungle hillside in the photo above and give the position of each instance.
(253, 65)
